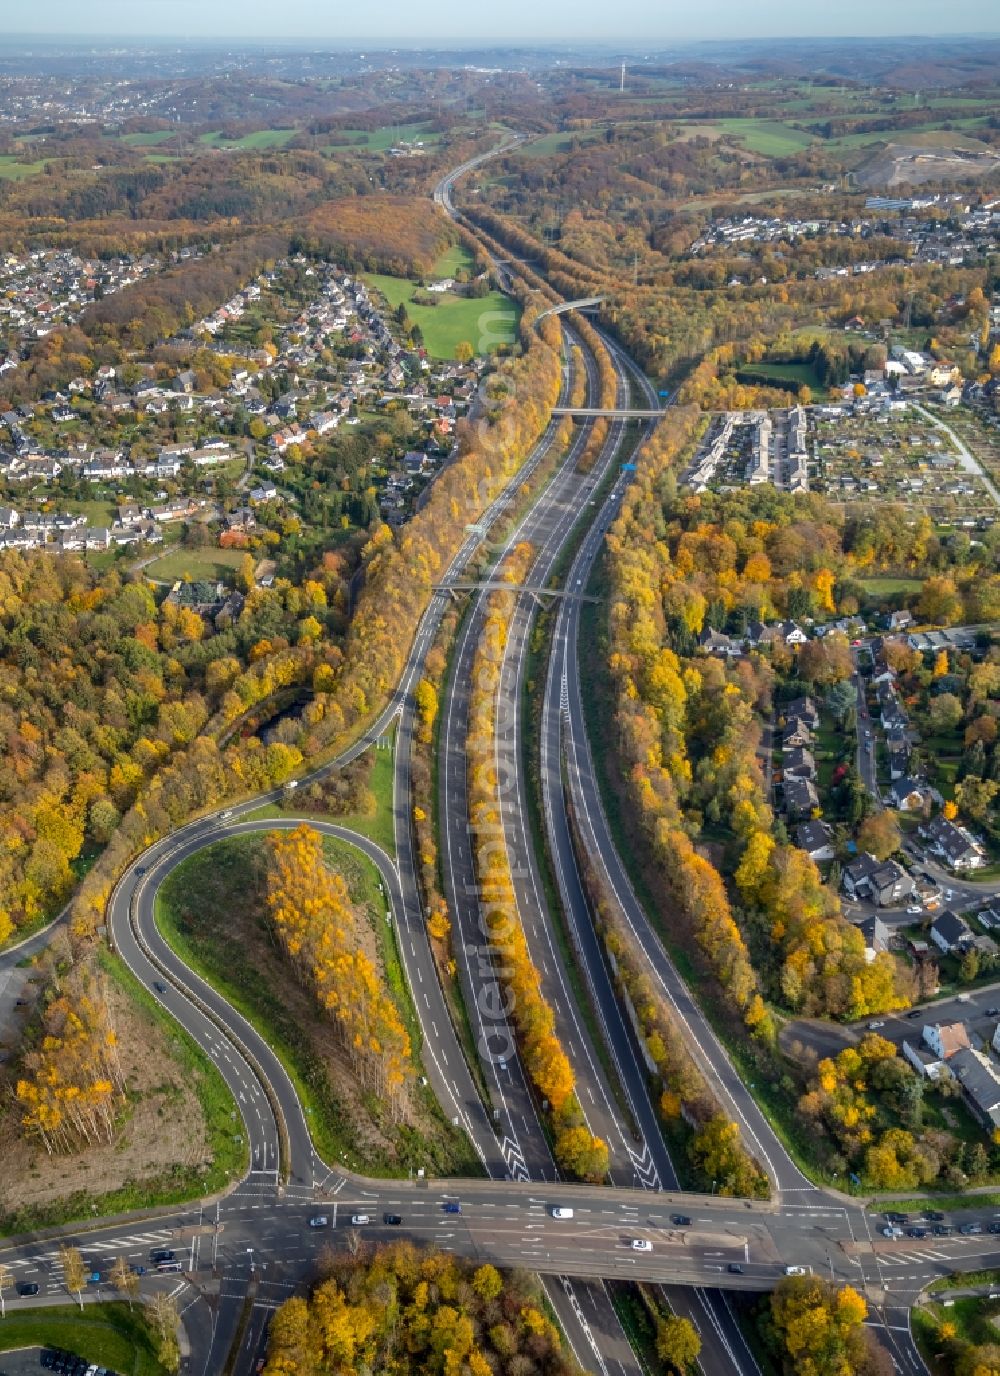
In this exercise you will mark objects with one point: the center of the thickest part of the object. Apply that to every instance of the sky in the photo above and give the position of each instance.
(408, 21)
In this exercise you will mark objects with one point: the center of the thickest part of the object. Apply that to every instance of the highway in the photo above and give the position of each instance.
(256, 1242)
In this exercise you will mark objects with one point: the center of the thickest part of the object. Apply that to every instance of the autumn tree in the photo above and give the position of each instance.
(74, 1271)
(816, 1328)
(880, 834)
(124, 1279)
(165, 1323)
(678, 1343)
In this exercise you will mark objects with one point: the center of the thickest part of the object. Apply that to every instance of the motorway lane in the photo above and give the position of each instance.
(722, 1338)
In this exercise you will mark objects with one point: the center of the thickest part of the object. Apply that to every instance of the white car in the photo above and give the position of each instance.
(641, 1244)
(559, 1212)
(359, 1220)
(874, 1026)
(914, 909)
(796, 1270)
(892, 1232)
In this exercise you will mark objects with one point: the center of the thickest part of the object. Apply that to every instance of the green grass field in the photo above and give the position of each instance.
(378, 140)
(110, 1335)
(196, 563)
(921, 135)
(887, 587)
(13, 170)
(560, 142)
(486, 322)
(768, 136)
(453, 261)
(788, 375)
(260, 138)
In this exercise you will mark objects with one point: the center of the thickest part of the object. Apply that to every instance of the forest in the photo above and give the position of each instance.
(397, 1310)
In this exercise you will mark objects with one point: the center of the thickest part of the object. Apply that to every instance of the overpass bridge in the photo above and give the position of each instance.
(536, 590)
(614, 413)
(584, 303)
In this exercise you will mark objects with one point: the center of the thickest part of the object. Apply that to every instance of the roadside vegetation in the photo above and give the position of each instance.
(215, 911)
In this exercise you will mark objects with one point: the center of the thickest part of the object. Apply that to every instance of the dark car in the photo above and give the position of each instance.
(453, 1207)
(394, 1220)
(138, 1270)
(48, 1357)
(993, 1012)
(971, 1229)
(160, 988)
(680, 1220)
(161, 1254)
(891, 1216)
(734, 1268)
(933, 1216)
(943, 1230)
(994, 1228)
(914, 1013)
(916, 1232)
(28, 1288)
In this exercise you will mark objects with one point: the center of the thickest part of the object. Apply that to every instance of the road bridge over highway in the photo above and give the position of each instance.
(612, 413)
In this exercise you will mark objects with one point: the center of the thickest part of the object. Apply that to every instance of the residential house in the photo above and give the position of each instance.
(798, 764)
(858, 876)
(816, 839)
(980, 1085)
(910, 795)
(876, 935)
(950, 933)
(716, 643)
(802, 709)
(890, 885)
(801, 798)
(955, 845)
(796, 734)
(945, 1038)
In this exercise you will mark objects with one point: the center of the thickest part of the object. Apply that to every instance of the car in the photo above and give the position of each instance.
(161, 1254)
(734, 1268)
(641, 1244)
(558, 1211)
(993, 1012)
(321, 1221)
(680, 1220)
(915, 909)
(27, 1289)
(916, 1232)
(949, 894)
(166, 1266)
(874, 1026)
(358, 1220)
(894, 1216)
(393, 1220)
(943, 1230)
(452, 1206)
(994, 1228)
(160, 988)
(914, 1013)
(971, 1229)
(891, 1231)
(933, 1216)
(141, 869)
(795, 1270)
(138, 1270)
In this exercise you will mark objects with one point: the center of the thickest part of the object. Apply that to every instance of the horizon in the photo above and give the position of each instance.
(448, 23)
